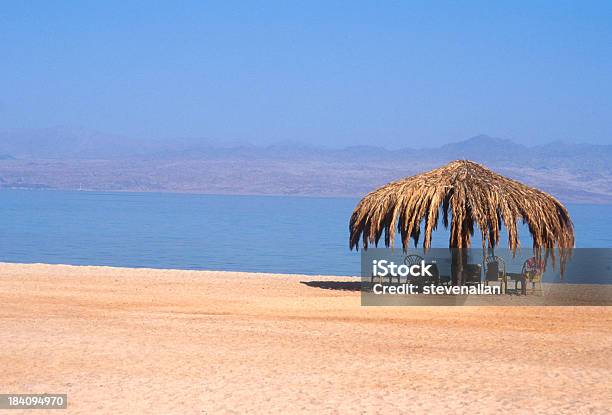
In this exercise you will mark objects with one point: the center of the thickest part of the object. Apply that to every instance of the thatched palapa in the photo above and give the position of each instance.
(469, 194)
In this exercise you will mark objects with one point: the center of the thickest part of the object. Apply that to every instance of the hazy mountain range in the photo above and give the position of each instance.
(62, 158)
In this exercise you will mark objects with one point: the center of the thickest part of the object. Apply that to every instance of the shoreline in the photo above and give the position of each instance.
(179, 192)
(204, 271)
(169, 341)
(356, 197)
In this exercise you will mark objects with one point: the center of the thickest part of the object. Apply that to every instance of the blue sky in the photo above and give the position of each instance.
(334, 73)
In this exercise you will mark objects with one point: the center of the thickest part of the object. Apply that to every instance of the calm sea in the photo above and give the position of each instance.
(244, 233)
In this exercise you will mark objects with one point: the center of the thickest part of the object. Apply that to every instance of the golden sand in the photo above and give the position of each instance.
(185, 342)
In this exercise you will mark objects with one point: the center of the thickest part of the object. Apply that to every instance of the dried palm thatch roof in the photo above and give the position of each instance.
(472, 195)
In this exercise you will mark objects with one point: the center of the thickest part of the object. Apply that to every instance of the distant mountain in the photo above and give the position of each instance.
(69, 143)
(64, 143)
(62, 158)
(482, 147)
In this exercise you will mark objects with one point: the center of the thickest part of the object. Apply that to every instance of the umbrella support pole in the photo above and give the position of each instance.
(459, 260)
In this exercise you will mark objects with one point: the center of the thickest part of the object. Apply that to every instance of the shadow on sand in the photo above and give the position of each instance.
(334, 285)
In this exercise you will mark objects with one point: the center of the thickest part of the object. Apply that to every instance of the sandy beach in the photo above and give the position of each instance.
(191, 342)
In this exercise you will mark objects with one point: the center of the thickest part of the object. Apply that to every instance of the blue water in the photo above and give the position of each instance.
(243, 233)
